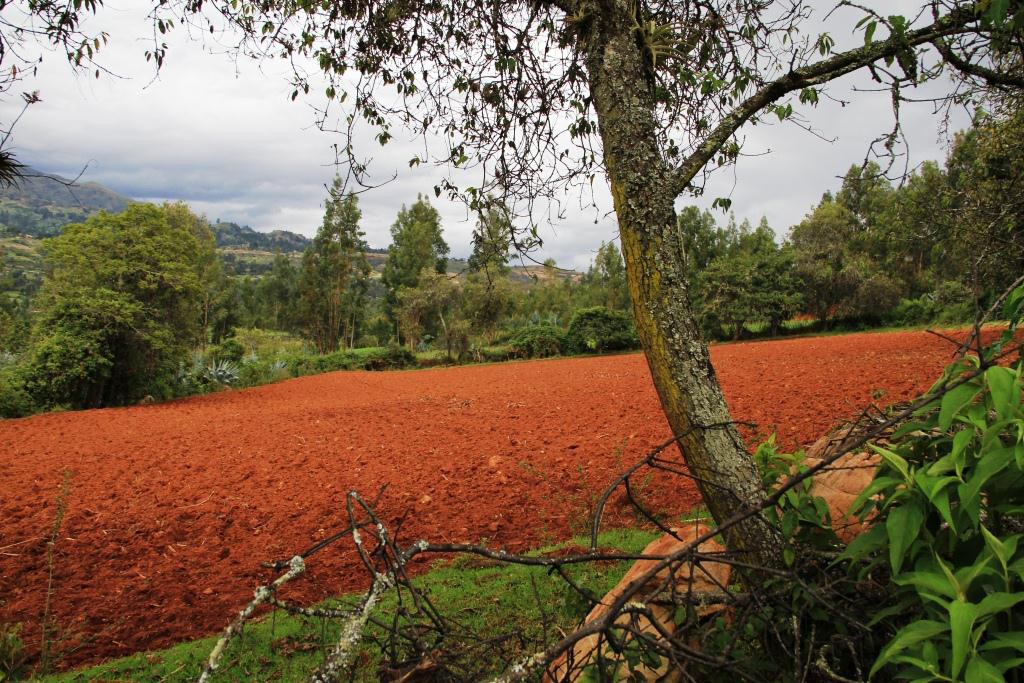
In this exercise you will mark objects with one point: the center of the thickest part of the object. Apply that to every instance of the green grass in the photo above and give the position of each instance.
(484, 598)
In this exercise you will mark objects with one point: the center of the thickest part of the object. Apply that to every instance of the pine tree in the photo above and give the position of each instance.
(334, 271)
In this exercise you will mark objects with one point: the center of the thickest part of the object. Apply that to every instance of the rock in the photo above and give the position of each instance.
(707, 578)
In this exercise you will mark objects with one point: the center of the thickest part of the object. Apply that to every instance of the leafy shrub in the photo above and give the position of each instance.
(598, 329)
(353, 359)
(228, 350)
(13, 657)
(255, 372)
(15, 401)
(493, 354)
(947, 514)
(951, 302)
(913, 311)
(391, 358)
(367, 340)
(537, 341)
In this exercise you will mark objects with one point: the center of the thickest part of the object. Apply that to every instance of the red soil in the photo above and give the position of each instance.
(173, 507)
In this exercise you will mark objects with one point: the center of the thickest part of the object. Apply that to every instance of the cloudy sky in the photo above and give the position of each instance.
(223, 136)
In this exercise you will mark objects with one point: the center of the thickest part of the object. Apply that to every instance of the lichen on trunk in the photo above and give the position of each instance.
(656, 268)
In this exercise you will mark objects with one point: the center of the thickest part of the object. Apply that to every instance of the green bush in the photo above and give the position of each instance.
(537, 341)
(947, 513)
(228, 350)
(598, 329)
(14, 400)
(390, 358)
(913, 311)
(493, 354)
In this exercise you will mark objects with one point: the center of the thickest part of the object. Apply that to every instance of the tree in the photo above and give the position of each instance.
(435, 300)
(751, 280)
(117, 312)
(491, 243)
(486, 302)
(546, 93)
(416, 245)
(209, 269)
(607, 278)
(332, 283)
(277, 292)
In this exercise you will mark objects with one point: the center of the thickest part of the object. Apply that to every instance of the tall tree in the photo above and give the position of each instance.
(492, 240)
(545, 93)
(334, 269)
(416, 244)
(277, 292)
(117, 312)
(209, 269)
(607, 278)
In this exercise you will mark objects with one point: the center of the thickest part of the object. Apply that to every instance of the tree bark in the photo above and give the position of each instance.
(656, 266)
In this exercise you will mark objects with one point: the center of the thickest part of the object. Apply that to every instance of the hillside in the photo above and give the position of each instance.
(41, 204)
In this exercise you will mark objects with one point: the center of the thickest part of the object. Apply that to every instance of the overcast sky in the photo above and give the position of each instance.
(223, 136)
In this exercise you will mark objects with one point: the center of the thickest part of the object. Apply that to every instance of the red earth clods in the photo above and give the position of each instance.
(173, 507)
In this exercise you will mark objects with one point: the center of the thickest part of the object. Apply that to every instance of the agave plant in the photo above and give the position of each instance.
(222, 372)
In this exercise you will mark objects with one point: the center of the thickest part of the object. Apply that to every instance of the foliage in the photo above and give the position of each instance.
(13, 657)
(416, 246)
(537, 341)
(598, 329)
(607, 278)
(332, 285)
(15, 401)
(947, 515)
(489, 601)
(118, 310)
(222, 371)
(491, 242)
(231, 349)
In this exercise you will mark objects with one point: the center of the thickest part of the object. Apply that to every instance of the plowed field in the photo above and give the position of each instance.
(172, 507)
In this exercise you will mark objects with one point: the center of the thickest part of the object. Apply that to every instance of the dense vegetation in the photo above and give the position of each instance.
(868, 254)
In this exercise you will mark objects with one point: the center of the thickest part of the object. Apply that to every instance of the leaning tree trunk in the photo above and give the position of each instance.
(656, 268)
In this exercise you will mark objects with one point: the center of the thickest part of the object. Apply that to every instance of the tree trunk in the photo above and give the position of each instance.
(657, 275)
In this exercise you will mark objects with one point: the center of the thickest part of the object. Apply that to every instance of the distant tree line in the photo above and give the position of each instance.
(129, 298)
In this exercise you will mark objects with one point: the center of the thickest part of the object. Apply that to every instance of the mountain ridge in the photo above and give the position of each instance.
(41, 204)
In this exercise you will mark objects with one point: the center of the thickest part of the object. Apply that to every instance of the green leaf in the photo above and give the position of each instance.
(903, 525)
(960, 441)
(1001, 383)
(933, 582)
(878, 485)
(866, 543)
(1002, 551)
(961, 622)
(896, 461)
(789, 522)
(954, 401)
(869, 31)
(980, 671)
(989, 465)
(907, 636)
(998, 602)
(1006, 640)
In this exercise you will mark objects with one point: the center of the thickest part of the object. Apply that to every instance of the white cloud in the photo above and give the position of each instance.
(223, 136)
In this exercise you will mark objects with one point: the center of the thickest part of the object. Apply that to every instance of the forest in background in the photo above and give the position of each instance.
(934, 248)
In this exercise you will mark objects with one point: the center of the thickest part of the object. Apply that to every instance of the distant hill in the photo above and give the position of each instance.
(234, 236)
(40, 204)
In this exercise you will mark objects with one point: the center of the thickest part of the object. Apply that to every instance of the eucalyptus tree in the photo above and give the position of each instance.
(540, 95)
